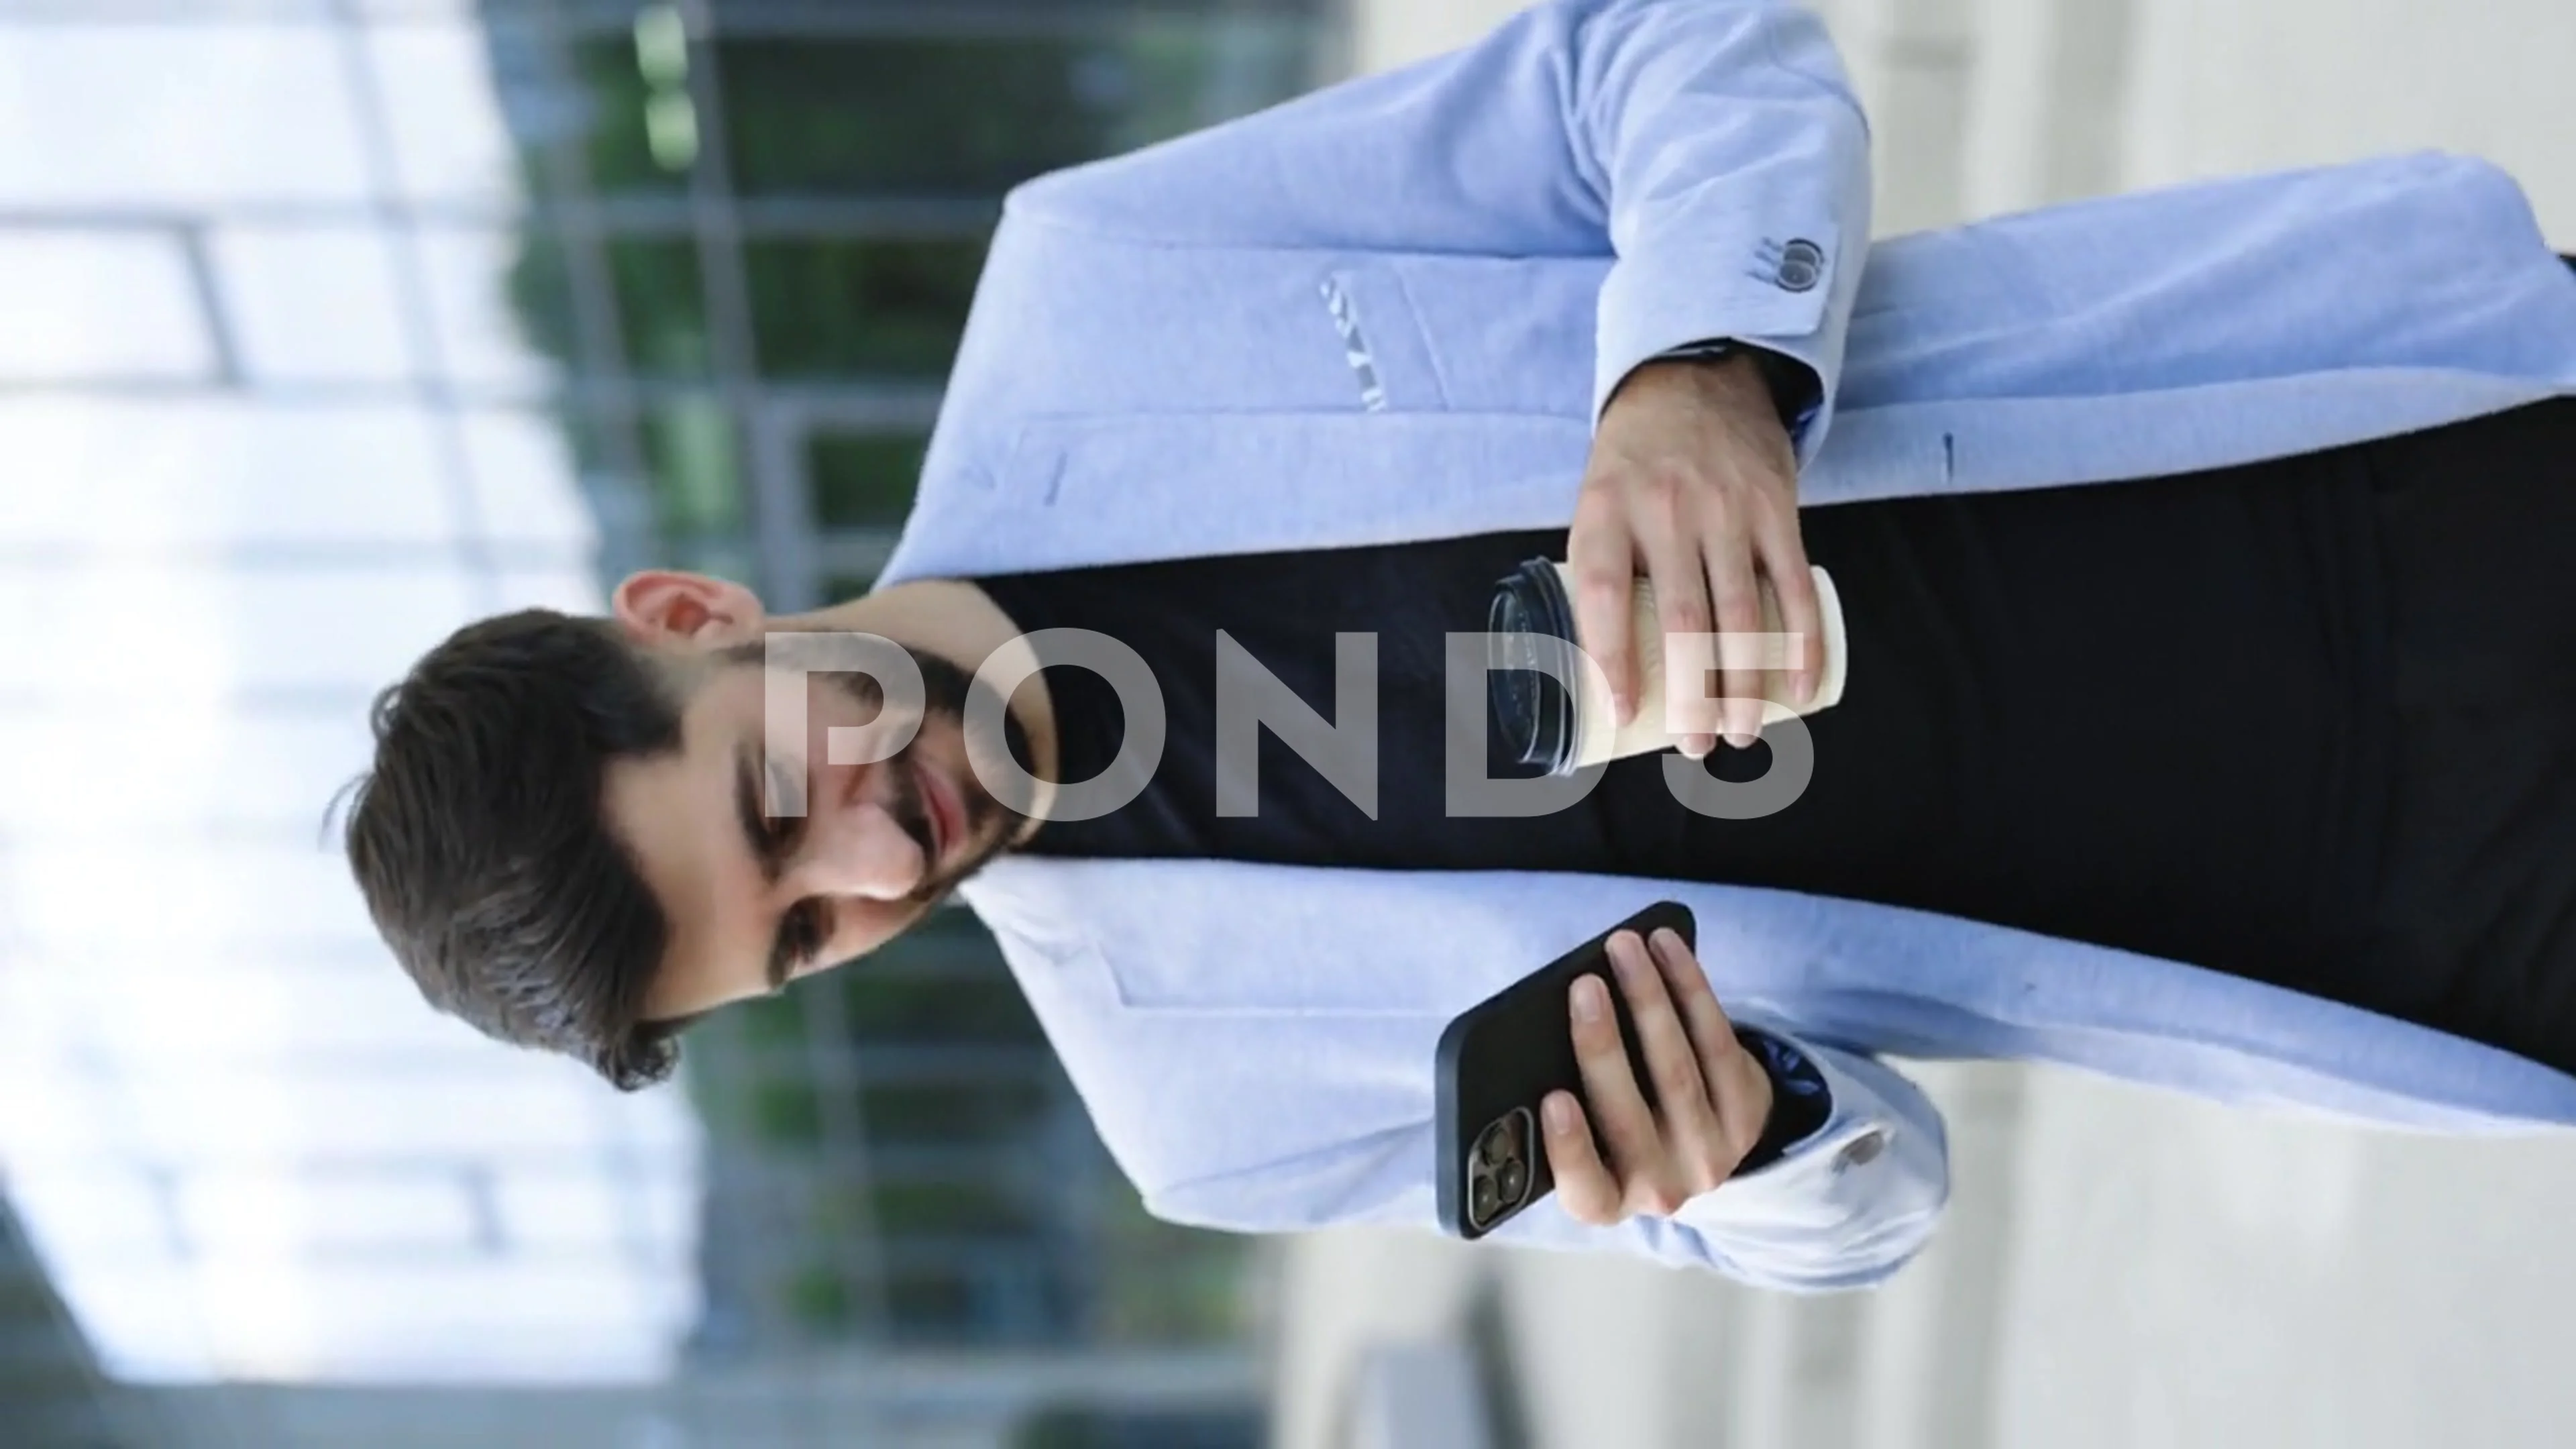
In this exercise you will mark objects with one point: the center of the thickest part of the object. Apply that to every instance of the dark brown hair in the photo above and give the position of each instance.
(479, 842)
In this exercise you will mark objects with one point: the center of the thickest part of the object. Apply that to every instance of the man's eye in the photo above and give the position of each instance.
(783, 799)
(803, 932)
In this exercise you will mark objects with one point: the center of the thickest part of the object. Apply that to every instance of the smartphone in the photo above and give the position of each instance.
(1500, 1058)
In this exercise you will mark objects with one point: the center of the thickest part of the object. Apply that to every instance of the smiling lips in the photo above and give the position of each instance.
(947, 826)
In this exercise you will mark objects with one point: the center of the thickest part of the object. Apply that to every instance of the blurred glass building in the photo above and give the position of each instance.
(326, 325)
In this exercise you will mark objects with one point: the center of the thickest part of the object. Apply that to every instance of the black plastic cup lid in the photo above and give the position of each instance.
(1533, 624)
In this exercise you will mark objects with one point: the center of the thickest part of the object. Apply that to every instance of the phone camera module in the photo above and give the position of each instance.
(1499, 1168)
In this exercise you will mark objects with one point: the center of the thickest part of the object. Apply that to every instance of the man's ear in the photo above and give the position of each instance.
(666, 606)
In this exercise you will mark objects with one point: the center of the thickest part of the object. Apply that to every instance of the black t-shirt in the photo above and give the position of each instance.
(2151, 716)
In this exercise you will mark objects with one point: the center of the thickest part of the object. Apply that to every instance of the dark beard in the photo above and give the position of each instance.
(993, 824)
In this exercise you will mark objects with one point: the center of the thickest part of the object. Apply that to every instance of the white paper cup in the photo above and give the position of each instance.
(1566, 731)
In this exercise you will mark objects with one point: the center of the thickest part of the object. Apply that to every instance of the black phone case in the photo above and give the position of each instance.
(1512, 1049)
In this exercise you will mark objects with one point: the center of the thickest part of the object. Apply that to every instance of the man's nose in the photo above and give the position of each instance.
(858, 850)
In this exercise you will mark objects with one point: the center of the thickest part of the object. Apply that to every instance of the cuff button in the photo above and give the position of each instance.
(1862, 1150)
(1802, 265)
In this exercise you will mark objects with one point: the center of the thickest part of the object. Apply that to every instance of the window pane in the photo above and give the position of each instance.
(950, 1209)
(265, 1209)
(98, 304)
(864, 480)
(615, 104)
(218, 471)
(313, 302)
(1161, 1282)
(842, 308)
(821, 1302)
(186, 115)
(524, 483)
(339, 628)
(727, 557)
(436, 85)
(933, 1306)
(1082, 1426)
(776, 1021)
(953, 1115)
(918, 114)
(932, 1011)
(536, 288)
(785, 1113)
(661, 308)
(483, 335)
(697, 486)
(1191, 71)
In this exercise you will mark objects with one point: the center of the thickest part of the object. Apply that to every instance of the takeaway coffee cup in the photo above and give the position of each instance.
(1565, 730)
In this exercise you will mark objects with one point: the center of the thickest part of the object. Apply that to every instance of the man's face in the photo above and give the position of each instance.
(755, 900)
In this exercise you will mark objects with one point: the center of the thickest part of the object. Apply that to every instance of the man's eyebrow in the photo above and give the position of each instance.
(757, 837)
(764, 847)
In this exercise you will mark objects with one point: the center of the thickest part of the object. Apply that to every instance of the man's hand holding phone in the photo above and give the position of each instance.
(1712, 1097)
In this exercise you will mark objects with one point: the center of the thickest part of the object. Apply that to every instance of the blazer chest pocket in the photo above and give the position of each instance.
(1510, 335)
(1372, 320)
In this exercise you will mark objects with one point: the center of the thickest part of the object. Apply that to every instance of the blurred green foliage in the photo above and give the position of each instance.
(918, 114)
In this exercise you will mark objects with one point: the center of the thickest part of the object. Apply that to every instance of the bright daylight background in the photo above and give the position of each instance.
(262, 450)
(327, 325)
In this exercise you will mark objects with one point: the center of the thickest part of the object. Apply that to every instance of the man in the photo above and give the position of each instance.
(2249, 776)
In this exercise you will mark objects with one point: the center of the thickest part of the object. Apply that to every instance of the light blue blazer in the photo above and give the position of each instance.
(1389, 310)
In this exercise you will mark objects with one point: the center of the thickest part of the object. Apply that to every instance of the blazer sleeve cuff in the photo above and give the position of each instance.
(1773, 292)
(1849, 1203)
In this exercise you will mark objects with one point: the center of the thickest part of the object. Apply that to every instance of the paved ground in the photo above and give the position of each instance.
(2192, 1277)
(2123, 1270)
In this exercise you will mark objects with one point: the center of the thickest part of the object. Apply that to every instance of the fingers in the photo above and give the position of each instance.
(1584, 1184)
(1692, 1156)
(1737, 589)
(1693, 480)
(1713, 1099)
(1793, 584)
(1739, 1090)
(1669, 536)
(1618, 1110)
(1601, 554)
